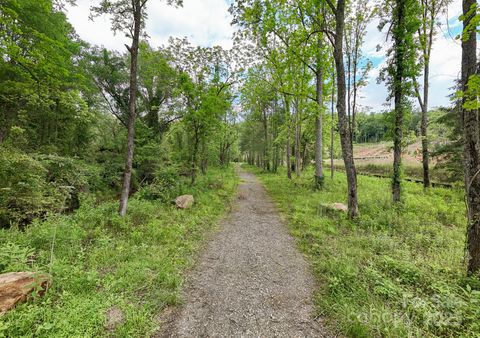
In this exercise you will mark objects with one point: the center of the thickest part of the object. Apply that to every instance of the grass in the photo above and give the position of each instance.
(102, 261)
(411, 171)
(393, 272)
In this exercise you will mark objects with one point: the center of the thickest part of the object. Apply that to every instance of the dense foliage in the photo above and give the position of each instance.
(65, 109)
(82, 127)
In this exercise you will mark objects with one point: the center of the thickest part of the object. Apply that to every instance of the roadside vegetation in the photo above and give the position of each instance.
(395, 271)
(77, 137)
(101, 261)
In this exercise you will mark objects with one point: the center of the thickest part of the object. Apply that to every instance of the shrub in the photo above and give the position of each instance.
(25, 192)
(165, 186)
(34, 185)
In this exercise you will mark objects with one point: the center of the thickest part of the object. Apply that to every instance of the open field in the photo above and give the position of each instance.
(377, 159)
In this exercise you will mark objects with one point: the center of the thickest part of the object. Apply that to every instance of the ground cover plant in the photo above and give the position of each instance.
(395, 271)
(99, 260)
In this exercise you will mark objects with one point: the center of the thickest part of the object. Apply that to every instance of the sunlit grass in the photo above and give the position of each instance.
(393, 272)
(100, 260)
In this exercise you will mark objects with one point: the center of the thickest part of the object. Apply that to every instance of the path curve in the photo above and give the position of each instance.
(250, 281)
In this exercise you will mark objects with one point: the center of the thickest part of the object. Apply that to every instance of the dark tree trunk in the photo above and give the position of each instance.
(266, 159)
(288, 155)
(288, 146)
(193, 169)
(319, 122)
(399, 78)
(471, 144)
(341, 111)
(355, 86)
(424, 126)
(204, 161)
(332, 129)
(127, 174)
(349, 93)
(297, 140)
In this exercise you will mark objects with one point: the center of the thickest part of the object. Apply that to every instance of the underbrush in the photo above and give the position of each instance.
(101, 260)
(396, 271)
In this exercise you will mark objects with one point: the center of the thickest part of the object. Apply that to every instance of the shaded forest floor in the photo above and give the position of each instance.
(393, 272)
(111, 275)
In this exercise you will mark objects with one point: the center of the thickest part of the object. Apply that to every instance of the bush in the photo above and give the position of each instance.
(100, 260)
(71, 176)
(165, 186)
(34, 186)
(25, 192)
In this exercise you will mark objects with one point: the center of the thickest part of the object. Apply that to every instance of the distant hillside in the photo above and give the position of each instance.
(382, 153)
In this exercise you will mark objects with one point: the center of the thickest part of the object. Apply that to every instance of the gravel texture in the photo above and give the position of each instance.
(250, 281)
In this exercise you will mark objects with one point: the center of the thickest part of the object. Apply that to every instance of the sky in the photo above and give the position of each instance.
(207, 23)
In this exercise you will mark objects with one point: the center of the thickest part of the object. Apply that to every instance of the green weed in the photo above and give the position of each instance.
(101, 260)
(394, 271)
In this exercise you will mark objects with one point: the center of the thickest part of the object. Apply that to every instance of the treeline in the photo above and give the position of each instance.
(301, 98)
(68, 124)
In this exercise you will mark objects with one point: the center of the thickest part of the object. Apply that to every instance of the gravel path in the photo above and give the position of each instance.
(250, 280)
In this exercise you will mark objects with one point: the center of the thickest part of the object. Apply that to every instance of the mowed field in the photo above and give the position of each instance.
(382, 153)
(377, 159)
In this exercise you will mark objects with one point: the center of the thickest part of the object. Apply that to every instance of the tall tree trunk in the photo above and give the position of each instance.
(355, 86)
(193, 164)
(127, 174)
(297, 140)
(319, 121)
(424, 125)
(204, 161)
(266, 159)
(471, 143)
(349, 93)
(332, 128)
(341, 111)
(288, 152)
(399, 100)
(288, 155)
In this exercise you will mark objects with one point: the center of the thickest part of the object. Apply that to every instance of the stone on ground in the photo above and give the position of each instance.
(15, 287)
(184, 201)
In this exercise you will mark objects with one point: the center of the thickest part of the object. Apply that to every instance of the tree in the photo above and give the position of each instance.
(401, 68)
(430, 10)
(471, 143)
(109, 72)
(157, 88)
(206, 76)
(290, 37)
(40, 79)
(128, 16)
(347, 151)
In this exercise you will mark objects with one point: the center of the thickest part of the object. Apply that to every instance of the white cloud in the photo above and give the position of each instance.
(203, 22)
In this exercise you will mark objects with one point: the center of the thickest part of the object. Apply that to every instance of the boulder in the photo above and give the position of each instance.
(15, 287)
(332, 209)
(339, 207)
(184, 201)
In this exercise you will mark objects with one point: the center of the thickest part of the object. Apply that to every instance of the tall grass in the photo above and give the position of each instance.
(101, 260)
(396, 271)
